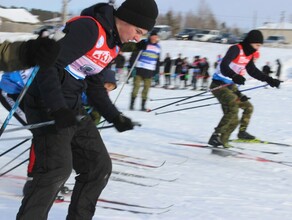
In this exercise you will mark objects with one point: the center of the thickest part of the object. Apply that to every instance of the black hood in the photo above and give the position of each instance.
(104, 14)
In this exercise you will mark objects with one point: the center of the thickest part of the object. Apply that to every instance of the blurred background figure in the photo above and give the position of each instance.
(279, 69)
(267, 69)
(147, 64)
(167, 70)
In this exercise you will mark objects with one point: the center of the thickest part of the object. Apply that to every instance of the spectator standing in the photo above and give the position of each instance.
(279, 69)
(267, 69)
(167, 70)
(178, 66)
(204, 66)
(184, 74)
(196, 71)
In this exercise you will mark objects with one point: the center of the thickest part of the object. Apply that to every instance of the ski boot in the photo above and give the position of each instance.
(215, 140)
(245, 136)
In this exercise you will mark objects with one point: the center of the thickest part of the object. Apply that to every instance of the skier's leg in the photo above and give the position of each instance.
(92, 164)
(53, 166)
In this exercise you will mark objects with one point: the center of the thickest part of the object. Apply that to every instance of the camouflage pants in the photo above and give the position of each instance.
(231, 104)
(137, 82)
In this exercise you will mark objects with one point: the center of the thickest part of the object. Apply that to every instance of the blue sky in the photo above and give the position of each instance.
(250, 14)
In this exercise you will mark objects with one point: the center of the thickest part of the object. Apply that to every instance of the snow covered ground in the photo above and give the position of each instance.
(204, 186)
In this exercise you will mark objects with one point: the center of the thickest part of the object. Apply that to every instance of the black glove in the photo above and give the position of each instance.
(238, 79)
(123, 123)
(42, 52)
(244, 98)
(64, 118)
(142, 44)
(273, 82)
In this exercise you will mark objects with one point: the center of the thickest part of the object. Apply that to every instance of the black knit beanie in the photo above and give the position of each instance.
(141, 13)
(254, 36)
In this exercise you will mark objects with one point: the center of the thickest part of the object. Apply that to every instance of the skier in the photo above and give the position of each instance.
(89, 44)
(11, 85)
(238, 59)
(147, 63)
(21, 55)
(107, 78)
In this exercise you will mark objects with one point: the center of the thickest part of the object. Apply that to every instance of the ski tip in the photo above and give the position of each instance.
(148, 110)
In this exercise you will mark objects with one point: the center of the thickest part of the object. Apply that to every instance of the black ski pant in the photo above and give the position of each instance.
(79, 147)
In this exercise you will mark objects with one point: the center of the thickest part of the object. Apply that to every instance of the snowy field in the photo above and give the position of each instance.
(185, 183)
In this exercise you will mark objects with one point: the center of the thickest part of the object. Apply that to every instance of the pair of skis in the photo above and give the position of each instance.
(234, 153)
(118, 205)
(110, 204)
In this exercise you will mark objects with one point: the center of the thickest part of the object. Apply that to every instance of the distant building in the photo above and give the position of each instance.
(283, 29)
(17, 20)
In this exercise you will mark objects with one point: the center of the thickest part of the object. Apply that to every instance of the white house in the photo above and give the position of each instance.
(283, 29)
(17, 20)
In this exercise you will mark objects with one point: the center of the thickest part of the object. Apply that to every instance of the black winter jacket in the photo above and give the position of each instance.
(251, 69)
(56, 88)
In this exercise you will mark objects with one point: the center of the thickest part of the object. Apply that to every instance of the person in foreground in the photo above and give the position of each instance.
(90, 42)
(238, 60)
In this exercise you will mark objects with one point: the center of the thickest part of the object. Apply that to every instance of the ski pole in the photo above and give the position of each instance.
(256, 87)
(13, 168)
(129, 74)
(38, 125)
(31, 126)
(181, 97)
(127, 78)
(182, 109)
(12, 148)
(162, 99)
(172, 103)
(43, 124)
(14, 158)
(198, 100)
(19, 98)
(16, 138)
